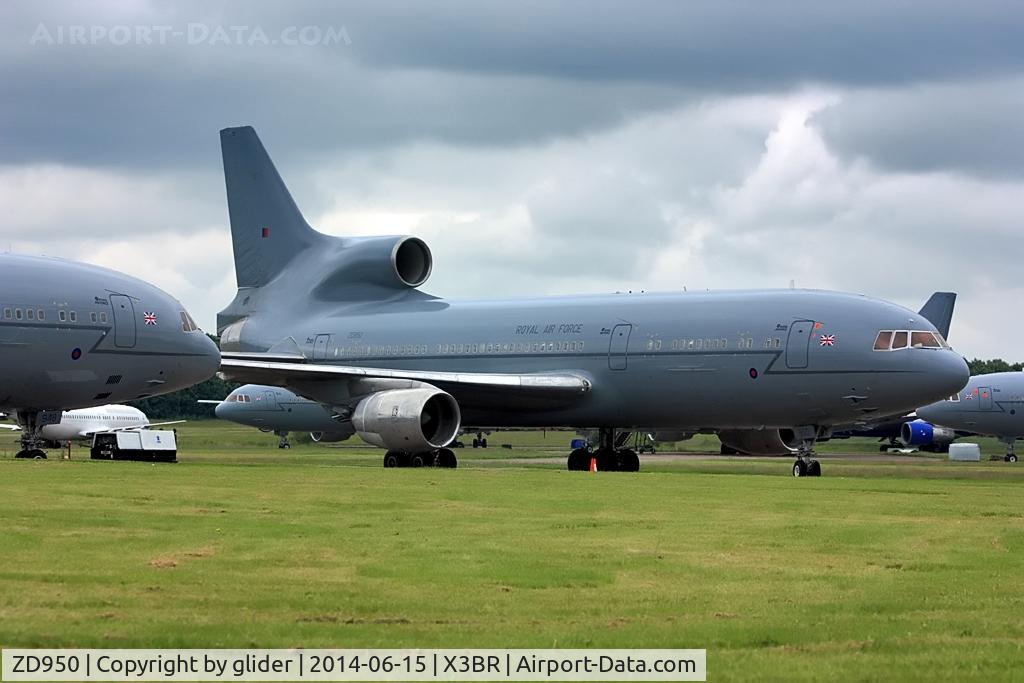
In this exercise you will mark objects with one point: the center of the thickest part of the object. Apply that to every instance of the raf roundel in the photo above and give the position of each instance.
(76, 353)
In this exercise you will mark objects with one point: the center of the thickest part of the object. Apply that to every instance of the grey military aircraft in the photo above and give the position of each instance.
(343, 321)
(277, 410)
(990, 405)
(75, 336)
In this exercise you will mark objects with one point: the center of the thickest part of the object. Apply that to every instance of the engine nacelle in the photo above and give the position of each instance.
(923, 433)
(330, 437)
(410, 420)
(759, 441)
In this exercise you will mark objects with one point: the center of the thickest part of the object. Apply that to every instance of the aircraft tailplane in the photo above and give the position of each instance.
(938, 310)
(267, 228)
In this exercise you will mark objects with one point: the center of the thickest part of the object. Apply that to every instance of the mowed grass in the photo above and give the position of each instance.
(874, 571)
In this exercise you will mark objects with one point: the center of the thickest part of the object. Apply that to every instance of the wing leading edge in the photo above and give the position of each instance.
(300, 374)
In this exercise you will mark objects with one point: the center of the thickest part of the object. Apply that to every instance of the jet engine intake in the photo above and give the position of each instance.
(923, 433)
(760, 441)
(410, 420)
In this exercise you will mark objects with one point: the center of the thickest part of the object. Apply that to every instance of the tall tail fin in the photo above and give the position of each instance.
(938, 310)
(267, 228)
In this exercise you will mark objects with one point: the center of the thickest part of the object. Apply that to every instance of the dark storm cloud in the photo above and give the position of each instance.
(473, 73)
(972, 127)
(724, 45)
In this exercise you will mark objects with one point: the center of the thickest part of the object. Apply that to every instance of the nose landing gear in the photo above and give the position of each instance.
(805, 465)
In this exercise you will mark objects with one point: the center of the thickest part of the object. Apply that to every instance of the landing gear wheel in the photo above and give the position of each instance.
(476, 443)
(814, 469)
(579, 460)
(284, 445)
(483, 443)
(394, 459)
(799, 468)
(445, 458)
(628, 461)
(1010, 457)
(421, 460)
(607, 461)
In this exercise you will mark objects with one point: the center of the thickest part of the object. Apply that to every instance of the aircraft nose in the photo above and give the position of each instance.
(206, 358)
(952, 373)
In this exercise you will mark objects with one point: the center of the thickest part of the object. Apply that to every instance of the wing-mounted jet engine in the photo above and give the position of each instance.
(760, 441)
(926, 436)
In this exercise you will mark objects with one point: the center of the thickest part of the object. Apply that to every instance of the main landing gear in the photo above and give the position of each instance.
(283, 443)
(31, 442)
(442, 457)
(805, 465)
(610, 455)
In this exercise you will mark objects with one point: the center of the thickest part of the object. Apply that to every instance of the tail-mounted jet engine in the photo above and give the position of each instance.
(409, 420)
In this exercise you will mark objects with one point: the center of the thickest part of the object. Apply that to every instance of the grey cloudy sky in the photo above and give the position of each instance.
(539, 147)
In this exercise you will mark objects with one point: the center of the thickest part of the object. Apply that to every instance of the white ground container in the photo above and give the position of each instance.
(965, 452)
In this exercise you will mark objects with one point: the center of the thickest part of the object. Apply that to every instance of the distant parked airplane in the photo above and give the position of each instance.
(74, 336)
(341, 320)
(83, 423)
(990, 405)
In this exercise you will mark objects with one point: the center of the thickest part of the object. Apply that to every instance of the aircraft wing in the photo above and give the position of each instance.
(471, 387)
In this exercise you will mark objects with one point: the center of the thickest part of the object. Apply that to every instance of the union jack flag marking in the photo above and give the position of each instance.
(827, 340)
(149, 318)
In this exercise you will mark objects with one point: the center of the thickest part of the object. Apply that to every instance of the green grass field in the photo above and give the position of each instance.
(903, 569)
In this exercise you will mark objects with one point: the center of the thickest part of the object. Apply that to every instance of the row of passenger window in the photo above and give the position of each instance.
(63, 315)
(459, 349)
(893, 340)
(720, 344)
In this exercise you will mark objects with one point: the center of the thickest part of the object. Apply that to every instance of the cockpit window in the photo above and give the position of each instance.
(893, 340)
(187, 324)
(955, 398)
(924, 340)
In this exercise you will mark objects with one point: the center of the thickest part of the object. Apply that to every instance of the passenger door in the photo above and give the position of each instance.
(320, 346)
(797, 342)
(618, 347)
(124, 321)
(985, 398)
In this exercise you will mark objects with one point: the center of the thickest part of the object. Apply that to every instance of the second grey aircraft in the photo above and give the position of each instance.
(343, 321)
(74, 335)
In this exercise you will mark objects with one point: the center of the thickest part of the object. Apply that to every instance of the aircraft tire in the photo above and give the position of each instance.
(1011, 458)
(814, 469)
(579, 460)
(421, 460)
(393, 459)
(446, 459)
(628, 461)
(607, 461)
(483, 443)
(799, 468)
